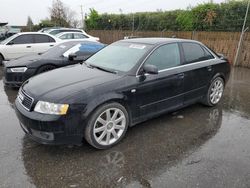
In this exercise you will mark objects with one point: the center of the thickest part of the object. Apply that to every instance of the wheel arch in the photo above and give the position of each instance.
(43, 65)
(105, 99)
(2, 56)
(221, 75)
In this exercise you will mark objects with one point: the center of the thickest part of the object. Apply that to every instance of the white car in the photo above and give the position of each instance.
(76, 36)
(26, 43)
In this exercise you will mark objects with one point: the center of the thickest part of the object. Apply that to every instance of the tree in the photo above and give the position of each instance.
(29, 24)
(205, 16)
(58, 14)
(61, 15)
(93, 19)
(46, 23)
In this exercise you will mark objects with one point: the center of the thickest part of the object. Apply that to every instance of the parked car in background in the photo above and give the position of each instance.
(43, 30)
(76, 36)
(26, 43)
(67, 53)
(55, 31)
(125, 83)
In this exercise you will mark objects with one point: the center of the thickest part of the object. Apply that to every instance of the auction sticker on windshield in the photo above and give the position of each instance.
(137, 46)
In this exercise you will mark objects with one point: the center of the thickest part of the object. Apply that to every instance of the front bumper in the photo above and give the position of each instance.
(16, 79)
(50, 129)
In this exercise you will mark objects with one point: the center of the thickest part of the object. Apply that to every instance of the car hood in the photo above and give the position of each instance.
(55, 85)
(23, 61)
(32, 61)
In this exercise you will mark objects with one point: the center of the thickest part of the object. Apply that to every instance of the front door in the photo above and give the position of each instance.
(161, 92)
(20, 46)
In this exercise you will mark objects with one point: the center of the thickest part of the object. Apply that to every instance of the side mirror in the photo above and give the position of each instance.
(150, 69)
(10, 43)
(72, 56)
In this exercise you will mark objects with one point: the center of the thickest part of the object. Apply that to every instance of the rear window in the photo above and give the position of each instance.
(194, 53)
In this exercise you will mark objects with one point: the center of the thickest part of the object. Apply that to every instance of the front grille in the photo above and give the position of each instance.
(25, 100)
(14, 77)
(18, 78)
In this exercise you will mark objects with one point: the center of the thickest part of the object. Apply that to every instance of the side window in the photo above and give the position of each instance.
(79, 36)
(66, 36)
(23, 39)
(208, 55)
(194, 53)
(54, 32)
(42, 39)
(164, 57)
(51, 39)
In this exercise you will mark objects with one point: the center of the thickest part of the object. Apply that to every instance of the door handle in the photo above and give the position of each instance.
(209, 68)
(181, 75)
(28, 46)
(51, 45)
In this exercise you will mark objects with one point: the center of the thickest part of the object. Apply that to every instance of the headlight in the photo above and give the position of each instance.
(51, 108)
(18, 69)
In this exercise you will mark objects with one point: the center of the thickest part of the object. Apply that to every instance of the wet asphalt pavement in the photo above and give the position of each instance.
(194, 147)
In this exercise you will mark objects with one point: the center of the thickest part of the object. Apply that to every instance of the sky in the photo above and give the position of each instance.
(15, 12)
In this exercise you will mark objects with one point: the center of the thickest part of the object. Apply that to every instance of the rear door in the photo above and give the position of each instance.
(20, 46)
(198, 70)
(161, 92)
(42, 43)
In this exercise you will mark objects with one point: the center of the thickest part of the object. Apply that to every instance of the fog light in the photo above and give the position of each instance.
(43, 135)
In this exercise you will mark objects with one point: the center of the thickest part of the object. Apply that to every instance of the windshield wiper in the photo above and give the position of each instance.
(103, 69)
(87, 65)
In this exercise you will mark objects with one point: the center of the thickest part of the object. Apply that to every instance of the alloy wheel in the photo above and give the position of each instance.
(216, 91)
(109, 126)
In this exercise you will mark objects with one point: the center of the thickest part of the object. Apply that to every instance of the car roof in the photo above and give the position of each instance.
(81, 41)
(62, 33)
(63, 28)
(156, 41)
(36, 33)
(21, 33)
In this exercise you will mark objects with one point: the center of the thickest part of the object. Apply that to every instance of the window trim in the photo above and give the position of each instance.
(182, 63)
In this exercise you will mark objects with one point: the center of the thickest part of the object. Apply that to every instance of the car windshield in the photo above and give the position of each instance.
(119, 56)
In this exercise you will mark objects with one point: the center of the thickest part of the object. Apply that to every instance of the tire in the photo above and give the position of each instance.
(215, 92)
(45, 68)
(100, 126)
(1, 59)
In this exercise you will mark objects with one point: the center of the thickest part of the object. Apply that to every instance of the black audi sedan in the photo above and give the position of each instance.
(19, 70)
(123, 84)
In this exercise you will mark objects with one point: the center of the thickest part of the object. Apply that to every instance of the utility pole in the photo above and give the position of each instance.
(242, 33)
(83, 24)
(133, 25)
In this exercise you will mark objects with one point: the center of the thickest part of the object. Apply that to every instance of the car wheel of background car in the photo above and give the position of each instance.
(45, 68)
(215, 92)
(107, 125)
(1, 59)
